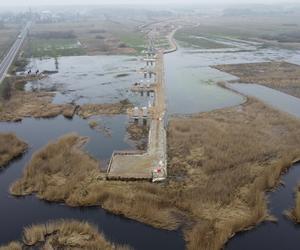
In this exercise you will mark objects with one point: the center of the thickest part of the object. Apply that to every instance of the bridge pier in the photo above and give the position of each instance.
(152, 163)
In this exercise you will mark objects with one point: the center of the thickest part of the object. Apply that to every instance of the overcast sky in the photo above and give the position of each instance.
(86, 2)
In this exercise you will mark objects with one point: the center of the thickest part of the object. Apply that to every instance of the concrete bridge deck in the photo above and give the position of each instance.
(152, 164)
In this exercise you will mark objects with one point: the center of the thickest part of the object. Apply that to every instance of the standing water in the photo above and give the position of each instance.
(106, 81)
(191, 88)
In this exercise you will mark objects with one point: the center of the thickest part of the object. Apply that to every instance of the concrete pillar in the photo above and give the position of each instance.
(145, 122)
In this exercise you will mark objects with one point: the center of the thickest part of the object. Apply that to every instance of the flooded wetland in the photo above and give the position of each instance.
(232, 134)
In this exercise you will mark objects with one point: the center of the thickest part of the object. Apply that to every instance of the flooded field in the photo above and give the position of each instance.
(191, 85)
(97, 79)
(191, 82)
(90, 79)
(18, 213)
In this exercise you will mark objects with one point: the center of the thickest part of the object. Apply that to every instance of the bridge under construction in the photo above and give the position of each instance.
(152, 163)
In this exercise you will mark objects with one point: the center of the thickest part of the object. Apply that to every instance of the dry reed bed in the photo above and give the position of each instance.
(63, 234)
(88, 110)
(282, 76)
(11, 147)
(22, 104)
(220, 165)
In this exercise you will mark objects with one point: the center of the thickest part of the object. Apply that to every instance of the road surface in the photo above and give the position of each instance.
(13, 52)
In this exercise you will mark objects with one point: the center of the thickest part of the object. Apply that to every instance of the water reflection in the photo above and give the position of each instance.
(17, 213)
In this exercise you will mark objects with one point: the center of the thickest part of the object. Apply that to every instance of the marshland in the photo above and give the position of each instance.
(63, 234)
(231, 157)
(11, 147)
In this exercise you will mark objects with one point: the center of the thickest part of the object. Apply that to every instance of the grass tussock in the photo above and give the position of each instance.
(31, 104)
(12, 246)
(220, 165)
(294, 213)
(225, 160)
(63, 234)
(89, 110)
(56, 171)
(10, 148)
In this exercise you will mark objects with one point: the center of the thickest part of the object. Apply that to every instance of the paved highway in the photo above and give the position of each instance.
(13, 52)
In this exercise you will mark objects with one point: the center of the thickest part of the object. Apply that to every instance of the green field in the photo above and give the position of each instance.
(39, 47)
(187, 37)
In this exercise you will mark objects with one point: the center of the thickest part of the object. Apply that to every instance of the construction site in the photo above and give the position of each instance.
(152, 163)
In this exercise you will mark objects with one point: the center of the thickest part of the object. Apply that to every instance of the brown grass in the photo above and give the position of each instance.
(12, 246)
(64, 234)
(31, 104)
(10, 148)
(220, 165)
(282, 76)
(227, 159)
(61, 164)
(294, 213)
(87, 110)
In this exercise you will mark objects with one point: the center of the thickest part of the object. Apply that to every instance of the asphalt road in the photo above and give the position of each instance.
(13, 52)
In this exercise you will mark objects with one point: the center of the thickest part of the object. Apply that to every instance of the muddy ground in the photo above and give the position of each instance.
(138, 134)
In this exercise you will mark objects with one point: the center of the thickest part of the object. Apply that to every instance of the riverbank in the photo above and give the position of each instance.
(280, 75)
(63, 234)
(11, 147)
(294, 213)
(215, 186)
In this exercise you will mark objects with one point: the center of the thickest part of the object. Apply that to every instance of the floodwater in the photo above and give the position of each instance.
(90, 79)
(99, 79)
(191, 81)
(17, 213)
(191, 85)
(275, 98)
